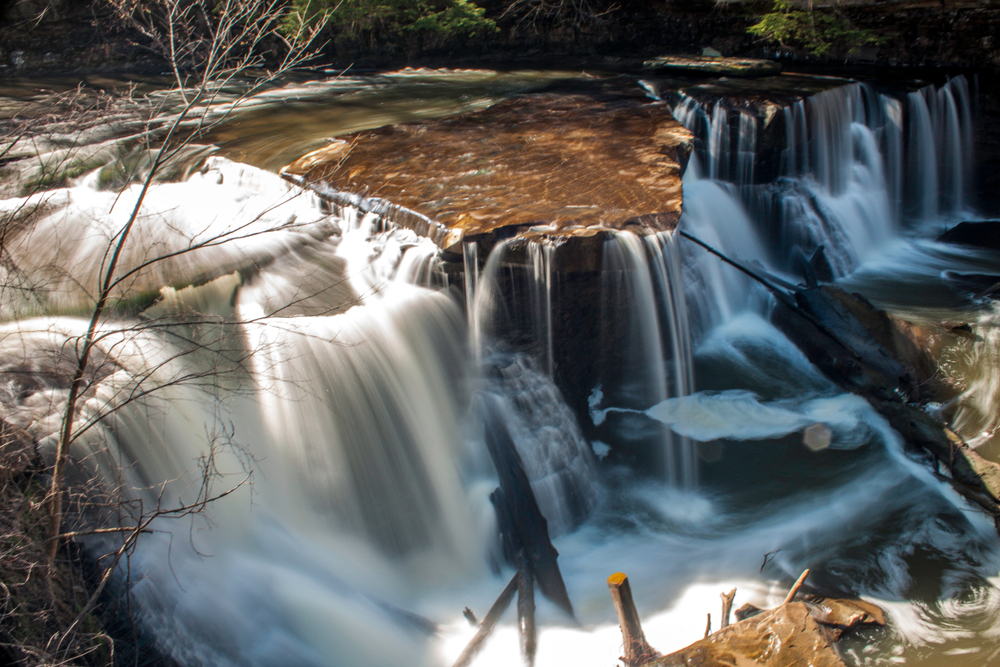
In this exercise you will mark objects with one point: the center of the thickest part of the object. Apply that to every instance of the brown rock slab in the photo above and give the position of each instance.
(564, 165)
(843, 615)
(787, 636)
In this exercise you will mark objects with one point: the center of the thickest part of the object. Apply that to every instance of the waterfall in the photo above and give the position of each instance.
(470, 261)
(319, 347)
(843, 186)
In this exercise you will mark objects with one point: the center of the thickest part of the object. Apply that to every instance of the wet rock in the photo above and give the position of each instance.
(843, 615)
(793, 634)
(568, 165)
(984, 234)
(746, 611)
(886, 360)
(860, 346)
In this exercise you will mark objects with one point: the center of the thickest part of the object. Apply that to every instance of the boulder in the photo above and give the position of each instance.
(983, 234)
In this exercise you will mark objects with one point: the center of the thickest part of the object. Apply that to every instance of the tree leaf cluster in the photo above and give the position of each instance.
(818, 31)
(390, 19)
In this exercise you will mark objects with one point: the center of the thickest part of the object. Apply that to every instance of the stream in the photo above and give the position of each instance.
(339, 380)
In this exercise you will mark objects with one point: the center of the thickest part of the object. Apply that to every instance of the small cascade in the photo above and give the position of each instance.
(541, 266)
(556, 457)
(629, 314)
(420, 266)
(477, 304)
(520, 310)
(922, 173)
(665, 264)
(714, 214)
(830, 115)
(939, 146)
(718, 144)
(643, 317)
(485, 298)
(796, 139)
(362, 410)
(747, 149)
(952, 118)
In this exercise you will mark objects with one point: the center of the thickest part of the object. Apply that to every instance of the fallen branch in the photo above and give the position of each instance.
(796, 586)
(526, 609)
(489, 622)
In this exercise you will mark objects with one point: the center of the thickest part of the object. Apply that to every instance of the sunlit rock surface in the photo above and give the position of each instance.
(793, 634)
(563, 163)
(713, 66)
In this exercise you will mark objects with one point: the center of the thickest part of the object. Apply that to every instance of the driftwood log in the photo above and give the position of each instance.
(796, 586)
(526, 609)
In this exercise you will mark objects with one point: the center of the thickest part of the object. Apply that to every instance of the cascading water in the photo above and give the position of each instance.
(645, 364)
(843, 187)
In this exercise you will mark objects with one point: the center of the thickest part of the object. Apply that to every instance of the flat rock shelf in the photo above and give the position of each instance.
(559, 164)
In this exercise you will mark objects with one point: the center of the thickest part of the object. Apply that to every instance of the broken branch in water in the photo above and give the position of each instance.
(727, 607)
(489, 622)
(526, 609)
(768, 557)
(796, 586)
(636, 649)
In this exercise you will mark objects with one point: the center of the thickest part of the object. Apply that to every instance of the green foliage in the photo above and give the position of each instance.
(390, 18)
(816, 30)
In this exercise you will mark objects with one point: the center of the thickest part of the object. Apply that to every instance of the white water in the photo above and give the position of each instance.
(349, 391)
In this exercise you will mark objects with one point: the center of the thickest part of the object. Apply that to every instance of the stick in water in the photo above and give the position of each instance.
(797, 585)
(727, 606)
(526, 609)
(489, 621)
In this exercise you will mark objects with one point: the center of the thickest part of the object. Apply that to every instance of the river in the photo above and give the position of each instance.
(325, 351)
